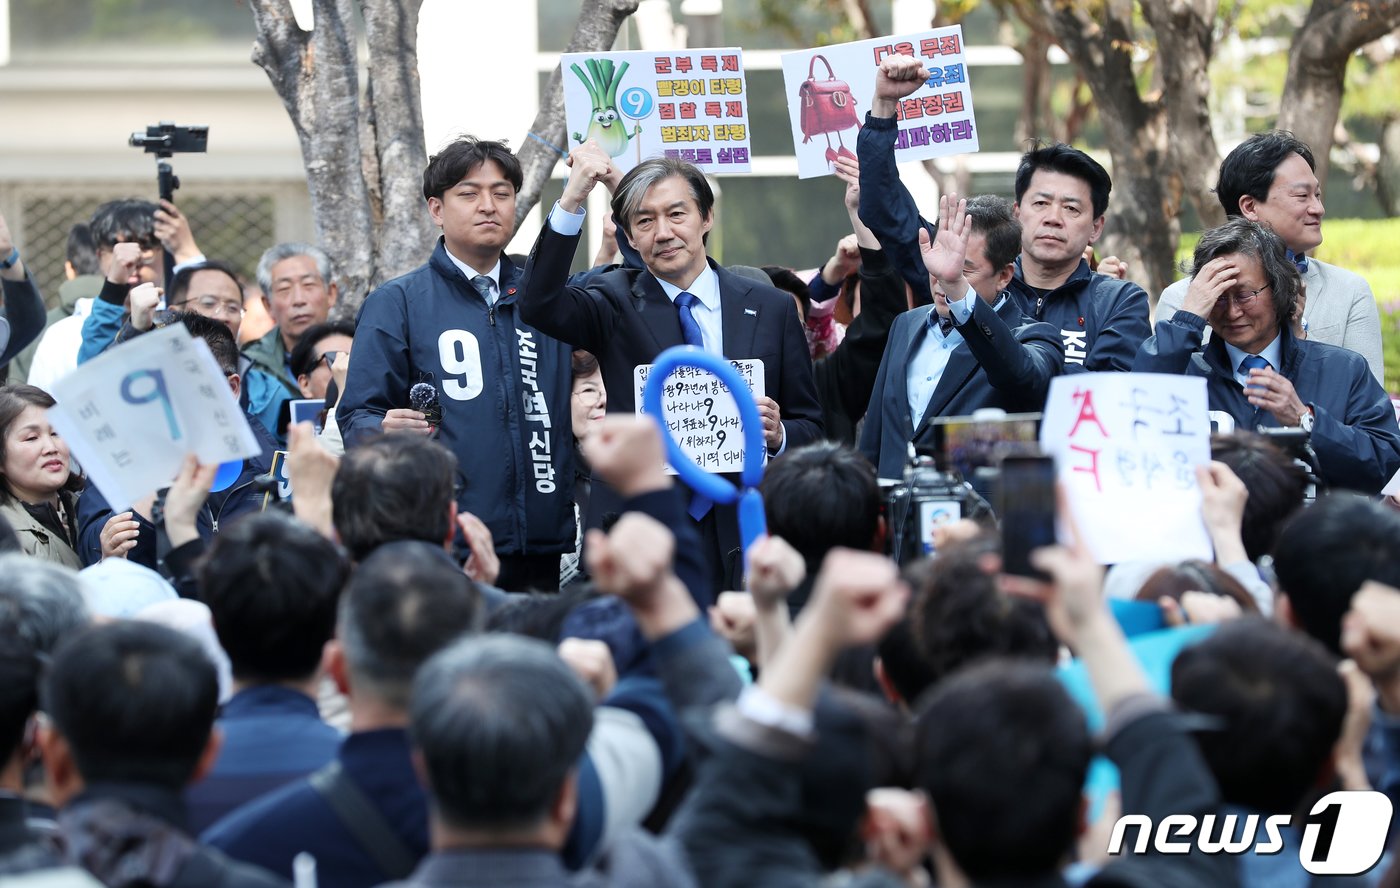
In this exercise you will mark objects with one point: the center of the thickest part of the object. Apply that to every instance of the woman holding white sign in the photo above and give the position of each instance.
(39, 493)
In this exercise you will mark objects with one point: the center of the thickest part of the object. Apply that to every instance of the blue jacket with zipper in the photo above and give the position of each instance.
(503, 387)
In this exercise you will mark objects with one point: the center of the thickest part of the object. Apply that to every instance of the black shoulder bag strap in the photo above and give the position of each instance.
(365, 823)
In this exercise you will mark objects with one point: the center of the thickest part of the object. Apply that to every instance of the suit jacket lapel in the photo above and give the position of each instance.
(960, 368)
(658, 313)
(739, 314)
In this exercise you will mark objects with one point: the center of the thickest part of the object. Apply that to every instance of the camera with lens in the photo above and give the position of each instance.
(924, 500)
(165, 139)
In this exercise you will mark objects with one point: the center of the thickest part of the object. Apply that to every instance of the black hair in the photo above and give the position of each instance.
(19, 692)
(404, 602)
(1324, 554)
(305, 356)
(539, 614)
(500, 722)
(214, 333)
(819, 497)
(633, 188)
(80, 252)
(453, 163)
(180, 284)
(1249, 169)
(393, 487)
(1003, 752)
(785, 279)
(1240, 236)
(1279, 703)
(1193, 575)
(1277, 486)
(960, 616)
(119, 221)
(272, 584)
(135, 701)
(582, 363)
(994, 219)
(1061, 158)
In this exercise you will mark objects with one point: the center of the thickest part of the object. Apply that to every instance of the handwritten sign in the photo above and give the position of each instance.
(935, 121)
(1126, 447)
(702, 415)
(131, 415)
(689, 104)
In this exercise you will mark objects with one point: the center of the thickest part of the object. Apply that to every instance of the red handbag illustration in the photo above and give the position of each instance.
(827, 107)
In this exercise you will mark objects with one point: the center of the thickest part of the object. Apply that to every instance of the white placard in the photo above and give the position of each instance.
(690, 104)
(702, 415)
(1126, 448)
(132, 414)
(936, 121)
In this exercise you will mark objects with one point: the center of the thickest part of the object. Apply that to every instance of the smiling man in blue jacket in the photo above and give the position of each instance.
(501, 387)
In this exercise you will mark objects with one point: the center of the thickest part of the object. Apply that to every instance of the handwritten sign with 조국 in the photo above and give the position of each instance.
(702, 415)
(1126, 448)
(131, 415)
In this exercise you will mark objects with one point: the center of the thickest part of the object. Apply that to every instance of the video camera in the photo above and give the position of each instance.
(165, 140)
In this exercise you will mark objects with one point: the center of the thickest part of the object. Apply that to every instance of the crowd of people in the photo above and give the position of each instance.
(490, 640)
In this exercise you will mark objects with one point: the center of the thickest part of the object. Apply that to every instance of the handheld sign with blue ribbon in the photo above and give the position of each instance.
(752, 523)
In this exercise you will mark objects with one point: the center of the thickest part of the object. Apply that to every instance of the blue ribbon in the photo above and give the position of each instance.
(752, 523)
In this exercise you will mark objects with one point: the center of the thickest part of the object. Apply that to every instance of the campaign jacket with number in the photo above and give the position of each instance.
(508, 423)
(1101, 319)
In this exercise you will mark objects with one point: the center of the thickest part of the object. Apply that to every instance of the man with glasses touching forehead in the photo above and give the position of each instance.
(1244, 286)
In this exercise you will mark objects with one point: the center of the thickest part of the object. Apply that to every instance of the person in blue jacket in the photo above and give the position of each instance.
(500, 389)
(1061, 198)
(1245, 287)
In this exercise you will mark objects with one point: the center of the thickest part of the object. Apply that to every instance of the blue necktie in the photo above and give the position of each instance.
(699, 505)
(1251, 362)
(1299, 260)
(690, 328)
(482, 284)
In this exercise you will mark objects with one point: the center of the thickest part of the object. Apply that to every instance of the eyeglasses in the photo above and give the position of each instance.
(329, 359)
(1240, 299)
(208, 305)
(589, 395)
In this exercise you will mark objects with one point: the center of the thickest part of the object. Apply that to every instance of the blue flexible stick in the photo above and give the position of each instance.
(752, 523)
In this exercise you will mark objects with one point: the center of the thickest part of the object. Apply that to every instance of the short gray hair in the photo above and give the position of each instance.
(40, 602)
(287, 251)
(639, 180)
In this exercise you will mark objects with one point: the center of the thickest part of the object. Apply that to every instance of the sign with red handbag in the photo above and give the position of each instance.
(827, 105)
(829, 90)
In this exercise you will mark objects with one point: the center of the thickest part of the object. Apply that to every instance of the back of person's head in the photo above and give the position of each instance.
(1002, 754)
(452, 164)
(786, 279)
(305, 354)
(1278, 703)
(819, 497)
(1327, 551)
(1193, 575)
(960, 615)
(1061, 158)
(1249, 169)
(215, 334)
(80, 251)
(394, 487)
(1277, 486)
(500, 722)
(119, 221)
(40, 603)
(135, 702)
(19, 693)
(272, 584)
(404, 602)
(994, 219)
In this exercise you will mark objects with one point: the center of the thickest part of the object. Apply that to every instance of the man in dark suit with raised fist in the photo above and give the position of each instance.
(628, 316)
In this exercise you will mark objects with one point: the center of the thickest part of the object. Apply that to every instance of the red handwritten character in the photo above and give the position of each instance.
(709, 63)
(1086, 413)
(663, 65)
(1092, 468)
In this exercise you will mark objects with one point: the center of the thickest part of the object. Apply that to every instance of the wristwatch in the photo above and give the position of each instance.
(1305, 422)
(9, 261)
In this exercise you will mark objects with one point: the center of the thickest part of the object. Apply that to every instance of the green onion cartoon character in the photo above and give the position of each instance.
(605, 126)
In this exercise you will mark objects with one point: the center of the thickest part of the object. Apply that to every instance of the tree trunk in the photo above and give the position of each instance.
(547, 142)
(1317, 64)
(315, 74)
(1142, 227)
